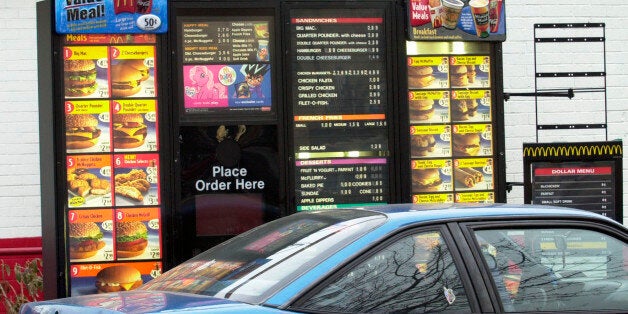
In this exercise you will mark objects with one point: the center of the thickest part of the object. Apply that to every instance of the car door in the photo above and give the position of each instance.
(552, 265)
(418, 270)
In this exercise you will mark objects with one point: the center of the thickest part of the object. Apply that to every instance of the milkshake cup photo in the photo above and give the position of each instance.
(451, 12)
(479, 10)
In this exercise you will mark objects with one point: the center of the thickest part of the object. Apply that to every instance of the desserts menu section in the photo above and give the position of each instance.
(585, 185)
(226, 64)
(339, 96)
(451, 138)
(112, 160)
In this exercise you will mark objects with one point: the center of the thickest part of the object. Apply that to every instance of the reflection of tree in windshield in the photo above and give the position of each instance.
(391, 281)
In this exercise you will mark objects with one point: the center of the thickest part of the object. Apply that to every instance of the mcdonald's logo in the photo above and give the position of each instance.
(573, 150)
(121, 6)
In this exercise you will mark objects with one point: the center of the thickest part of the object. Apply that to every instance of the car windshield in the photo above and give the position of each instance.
(250, 266)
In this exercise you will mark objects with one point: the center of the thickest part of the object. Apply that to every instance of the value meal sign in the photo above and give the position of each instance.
(579, 175)
(339, 92)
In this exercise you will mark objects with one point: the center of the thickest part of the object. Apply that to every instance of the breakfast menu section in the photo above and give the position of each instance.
(110, 111)
(451, 130)
(339, 96)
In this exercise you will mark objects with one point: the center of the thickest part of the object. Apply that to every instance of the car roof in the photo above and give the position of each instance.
(401, 214)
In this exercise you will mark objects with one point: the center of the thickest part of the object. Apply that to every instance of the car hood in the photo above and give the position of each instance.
(138, 301)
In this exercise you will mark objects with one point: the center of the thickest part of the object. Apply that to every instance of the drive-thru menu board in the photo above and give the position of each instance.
(339, 96)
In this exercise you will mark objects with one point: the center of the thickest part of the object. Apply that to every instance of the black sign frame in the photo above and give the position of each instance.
(566, 161)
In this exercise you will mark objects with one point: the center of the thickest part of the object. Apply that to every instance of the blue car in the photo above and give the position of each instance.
(394, 258)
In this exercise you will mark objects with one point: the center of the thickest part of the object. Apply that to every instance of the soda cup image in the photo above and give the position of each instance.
(494, 12)
(451, 13)
(479, 10)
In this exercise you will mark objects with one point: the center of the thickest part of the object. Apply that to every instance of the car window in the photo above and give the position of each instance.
(557, 269)
(415, 274)
(252, 266)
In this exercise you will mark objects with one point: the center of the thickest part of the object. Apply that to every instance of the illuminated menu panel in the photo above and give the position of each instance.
(226, 64)
(339, 96)
(451, 128)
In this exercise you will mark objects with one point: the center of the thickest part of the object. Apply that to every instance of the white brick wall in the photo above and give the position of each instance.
(19, 150)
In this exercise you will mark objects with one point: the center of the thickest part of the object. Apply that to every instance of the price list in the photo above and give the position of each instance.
(339, 97)
(225, 41)
(578, 185)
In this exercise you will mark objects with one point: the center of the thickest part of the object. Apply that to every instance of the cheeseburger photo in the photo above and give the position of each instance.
(79, 77)
(129, 130)
(85, 240)
(125, 80)
(138, 64)
(131, 238)
(81, 131)
(118, 278)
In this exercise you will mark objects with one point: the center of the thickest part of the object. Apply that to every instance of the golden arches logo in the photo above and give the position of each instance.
(582, 150)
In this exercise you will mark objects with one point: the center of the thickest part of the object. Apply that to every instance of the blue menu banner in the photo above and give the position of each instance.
(111, 16)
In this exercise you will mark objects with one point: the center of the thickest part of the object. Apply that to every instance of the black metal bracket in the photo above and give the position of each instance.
(569, 93)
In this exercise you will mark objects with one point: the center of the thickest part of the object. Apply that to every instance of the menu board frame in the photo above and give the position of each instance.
(225, 108)
(387, 193)
(565, 160)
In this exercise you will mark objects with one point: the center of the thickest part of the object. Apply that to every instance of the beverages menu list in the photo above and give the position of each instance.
(339, 96)
(113, 215)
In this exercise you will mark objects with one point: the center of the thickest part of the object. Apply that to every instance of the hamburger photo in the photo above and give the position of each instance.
(81, 131)
(421, 109)
(458, 75)
(467, 144)
(118, 278)
(426, 180)
(129, 130)
(125, 80)
(131, 238)
(420, 76)
(138, 64)
(85, 240)
(79, 77)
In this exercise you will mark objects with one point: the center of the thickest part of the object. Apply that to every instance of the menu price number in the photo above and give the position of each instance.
(372, 27)
(148, 22)
(151, 200)
(375, 94)
(154, 254)
(375, 86)
(153, 224)
(346, 191)
(107, 255)
(106, 202)
(377, 146)
(377, 198)
(355, 72)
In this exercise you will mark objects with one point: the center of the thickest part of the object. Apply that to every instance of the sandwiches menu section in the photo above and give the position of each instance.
(339, 96)
(112, 161)
(450, 117)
